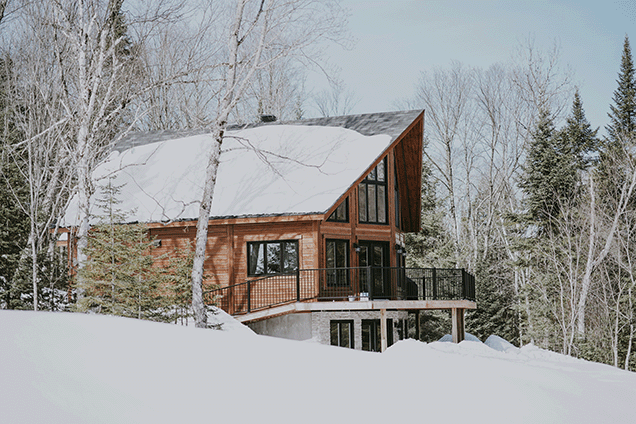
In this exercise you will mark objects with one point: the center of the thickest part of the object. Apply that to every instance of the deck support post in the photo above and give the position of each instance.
(418, 329)
(459, 331)
(383, 338)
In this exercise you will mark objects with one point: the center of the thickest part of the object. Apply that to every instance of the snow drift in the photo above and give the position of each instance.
(77, 368)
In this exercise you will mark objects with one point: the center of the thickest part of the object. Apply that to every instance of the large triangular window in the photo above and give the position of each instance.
(341, 214)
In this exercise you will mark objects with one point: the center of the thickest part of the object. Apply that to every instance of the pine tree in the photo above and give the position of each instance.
(540, 180)
(122, 276)
(556, 158)
(431, 246)
(579, 140)
(623, 111)
(14, 224)
(177, 287)
(621, 131)
(119, 277)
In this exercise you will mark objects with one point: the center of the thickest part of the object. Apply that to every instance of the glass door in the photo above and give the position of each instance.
(374, 255)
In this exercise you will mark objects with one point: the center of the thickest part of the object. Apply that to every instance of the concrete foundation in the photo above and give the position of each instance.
(290, 326)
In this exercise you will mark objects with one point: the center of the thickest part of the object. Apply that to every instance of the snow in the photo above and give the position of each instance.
(276, 169)
(79, 368)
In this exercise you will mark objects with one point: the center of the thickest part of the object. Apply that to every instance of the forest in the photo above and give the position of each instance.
(518, 186)
(520, 189)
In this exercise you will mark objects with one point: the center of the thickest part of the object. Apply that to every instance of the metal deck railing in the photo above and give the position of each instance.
(355, 284)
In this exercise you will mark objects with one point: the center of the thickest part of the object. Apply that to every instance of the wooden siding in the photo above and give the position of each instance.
(226, 261)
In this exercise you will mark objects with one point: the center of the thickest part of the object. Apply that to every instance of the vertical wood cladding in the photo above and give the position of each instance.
(226, 252)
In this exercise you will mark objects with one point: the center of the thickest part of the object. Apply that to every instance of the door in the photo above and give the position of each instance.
(375, 280)
(371, 338)
(335, 282)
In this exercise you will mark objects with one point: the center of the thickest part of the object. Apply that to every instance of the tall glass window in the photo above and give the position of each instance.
(372, 196)
(337, 259)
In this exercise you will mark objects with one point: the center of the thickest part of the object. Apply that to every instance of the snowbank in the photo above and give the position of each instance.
(78, 368)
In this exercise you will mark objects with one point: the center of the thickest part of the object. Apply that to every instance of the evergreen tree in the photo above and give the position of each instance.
(579, 141)
(556, 158)
(122, 276)
(14, 224)
(623, 111)
(540, 180)
(621, 130)
(119, 277)
(432, 245)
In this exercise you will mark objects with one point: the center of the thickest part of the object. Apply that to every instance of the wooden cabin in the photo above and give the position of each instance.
(306, 238)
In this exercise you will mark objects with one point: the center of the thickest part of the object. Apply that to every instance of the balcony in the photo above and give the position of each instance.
(345, 284)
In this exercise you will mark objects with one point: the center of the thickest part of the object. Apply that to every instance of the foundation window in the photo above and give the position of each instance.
(371, 334)
(341, 333)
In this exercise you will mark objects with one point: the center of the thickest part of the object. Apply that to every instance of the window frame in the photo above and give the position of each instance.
(339, 325)
(337, 278)
(281, 258)
(334, 215)
(369, 189)
(371, 337)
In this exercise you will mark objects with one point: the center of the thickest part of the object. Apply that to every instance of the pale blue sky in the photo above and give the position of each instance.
(396, 40)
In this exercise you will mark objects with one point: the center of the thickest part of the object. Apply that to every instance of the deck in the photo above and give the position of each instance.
(365, 288)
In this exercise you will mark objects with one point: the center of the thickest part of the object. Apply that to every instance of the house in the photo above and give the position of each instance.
(306, 235)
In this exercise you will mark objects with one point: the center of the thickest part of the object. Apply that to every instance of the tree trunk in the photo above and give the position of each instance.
(198, 306)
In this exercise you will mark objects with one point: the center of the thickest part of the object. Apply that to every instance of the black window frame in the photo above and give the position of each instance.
(342, 209)
(282, 256)
(371, 337)
(369, 193)
(337, 276)
(339, 325)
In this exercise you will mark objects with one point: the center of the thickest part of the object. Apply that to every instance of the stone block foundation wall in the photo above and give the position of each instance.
(320, 324)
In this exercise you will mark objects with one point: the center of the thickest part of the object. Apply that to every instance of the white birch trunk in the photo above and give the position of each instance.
(592, 260)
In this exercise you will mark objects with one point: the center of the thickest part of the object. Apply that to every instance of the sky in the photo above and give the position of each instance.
(83, 368)
(397, 40)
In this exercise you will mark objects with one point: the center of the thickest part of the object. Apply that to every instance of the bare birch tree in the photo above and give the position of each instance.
(336, 100)
(445, 95)
(259, 33)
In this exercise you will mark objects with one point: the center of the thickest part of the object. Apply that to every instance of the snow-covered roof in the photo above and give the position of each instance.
(296, 168)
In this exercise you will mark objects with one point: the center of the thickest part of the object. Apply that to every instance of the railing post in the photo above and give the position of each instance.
(434, 275)
(249, 296)
(297, 285)
(369, 286)
(464, 280)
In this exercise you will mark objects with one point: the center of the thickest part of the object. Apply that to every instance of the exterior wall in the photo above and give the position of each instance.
(226, 255)
(354, 231)
(320, 324)
(290, 326)
(316, 325)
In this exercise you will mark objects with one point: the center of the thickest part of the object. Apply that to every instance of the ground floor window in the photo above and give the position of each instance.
(272, 257)
(342, 333)
(371, 338)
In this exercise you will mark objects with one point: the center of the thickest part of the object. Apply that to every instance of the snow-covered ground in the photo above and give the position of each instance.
(77, 368)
